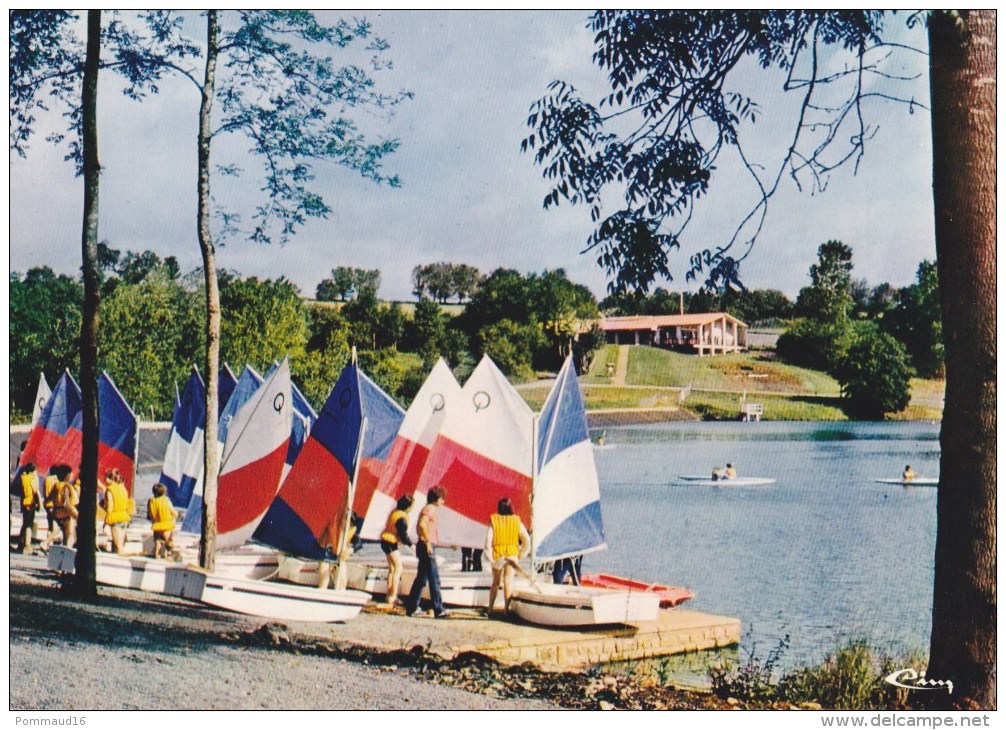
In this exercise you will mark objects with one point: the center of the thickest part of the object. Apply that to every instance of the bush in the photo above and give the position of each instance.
(817, 345)
(875, 375)
(850, 679)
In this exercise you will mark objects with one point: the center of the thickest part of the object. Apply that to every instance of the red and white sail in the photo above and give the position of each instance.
(482, 453)
(411, 449)
(253, 458)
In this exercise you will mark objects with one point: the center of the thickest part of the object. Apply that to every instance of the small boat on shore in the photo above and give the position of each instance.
(547, 604)
(670, 596)
(701, 480)
(566, 521)
(147, 574)
(280, 601)
(915, 482)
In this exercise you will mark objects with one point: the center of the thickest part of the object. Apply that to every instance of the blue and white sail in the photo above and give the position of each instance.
(566, 501)
(41, 398)
(241, 392)
(183, 458)
(226, 383)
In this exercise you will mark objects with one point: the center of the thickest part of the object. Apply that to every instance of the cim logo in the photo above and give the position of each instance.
(917, 680)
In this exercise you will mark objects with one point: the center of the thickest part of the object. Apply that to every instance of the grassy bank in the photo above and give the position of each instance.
(713, 388)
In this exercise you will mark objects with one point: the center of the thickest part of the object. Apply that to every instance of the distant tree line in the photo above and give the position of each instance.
(751, 306)
(346, 282)
(443, 280)
(151, 330)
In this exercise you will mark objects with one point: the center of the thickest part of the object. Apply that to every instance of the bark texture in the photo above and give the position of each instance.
(207, 546)
(84, 576)
(963, 84)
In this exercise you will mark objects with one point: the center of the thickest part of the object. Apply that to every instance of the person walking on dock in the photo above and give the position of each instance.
(162, 515)
(427, 568)
(396, 532)
(117, 511)
(30, 502)
(507, 541)
(67, 499)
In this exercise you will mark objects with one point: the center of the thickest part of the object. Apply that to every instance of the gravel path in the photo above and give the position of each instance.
(218, 678)
(166, 654)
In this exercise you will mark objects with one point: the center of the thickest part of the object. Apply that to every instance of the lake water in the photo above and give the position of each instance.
(823, 555)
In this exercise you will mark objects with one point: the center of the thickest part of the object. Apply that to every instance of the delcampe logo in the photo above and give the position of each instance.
(910, 679)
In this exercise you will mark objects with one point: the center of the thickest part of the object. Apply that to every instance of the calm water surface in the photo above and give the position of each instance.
(823, 555)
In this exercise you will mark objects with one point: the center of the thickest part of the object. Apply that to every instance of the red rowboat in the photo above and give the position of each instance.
(669, 595)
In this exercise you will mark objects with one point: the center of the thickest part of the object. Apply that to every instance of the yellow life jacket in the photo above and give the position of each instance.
(66, 500)
(390, 533)
(29, 490)
(162, 513)
(116, 503)
(51, 491)
(731, 472)
(506, 535)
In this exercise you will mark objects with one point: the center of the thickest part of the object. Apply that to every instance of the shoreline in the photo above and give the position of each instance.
(162, 641)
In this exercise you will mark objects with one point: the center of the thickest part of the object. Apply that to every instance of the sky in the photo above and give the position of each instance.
(468, 194)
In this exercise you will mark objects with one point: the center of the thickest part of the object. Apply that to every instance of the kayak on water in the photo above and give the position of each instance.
(705, 481)
(916, 482)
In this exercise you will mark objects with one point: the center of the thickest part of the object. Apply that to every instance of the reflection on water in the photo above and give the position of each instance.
(823, 555)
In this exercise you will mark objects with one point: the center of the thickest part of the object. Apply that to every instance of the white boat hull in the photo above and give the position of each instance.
(466, 590)
(121, 571)
(266, 599)
(917, 482)
(704, 481)
(147, 574)
(301, 572)
(565, 605)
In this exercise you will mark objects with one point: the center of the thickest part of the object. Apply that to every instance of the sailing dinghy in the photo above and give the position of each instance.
(566, 520)
(253, 462)
(348, 444)
(481, 454)
(670, 596)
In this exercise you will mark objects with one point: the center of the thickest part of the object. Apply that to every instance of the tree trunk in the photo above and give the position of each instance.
(207, 546)
(84, 576)
(963, 84)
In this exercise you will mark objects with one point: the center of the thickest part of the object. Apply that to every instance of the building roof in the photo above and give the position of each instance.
(653, 322)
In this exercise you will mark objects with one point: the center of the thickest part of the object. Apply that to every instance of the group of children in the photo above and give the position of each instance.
(59, 496)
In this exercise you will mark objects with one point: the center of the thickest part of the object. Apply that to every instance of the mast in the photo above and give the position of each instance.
(348, 516)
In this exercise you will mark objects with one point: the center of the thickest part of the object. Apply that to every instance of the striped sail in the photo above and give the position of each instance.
(481, 454)
(316, 492)
(183, 457)
(411, 448)
(567, 498)
(242, 391)
(118, 432)
(59, 422)
(257, 439)
(41, 398)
